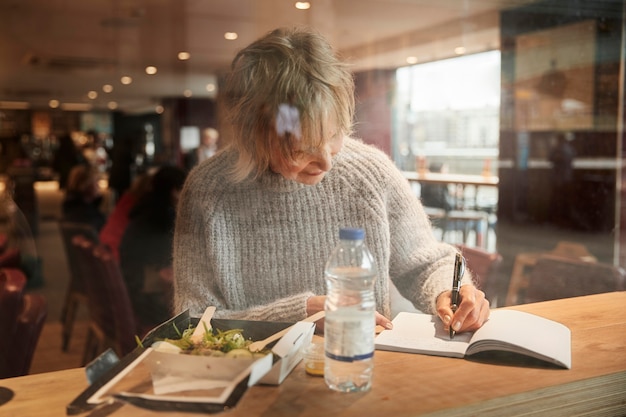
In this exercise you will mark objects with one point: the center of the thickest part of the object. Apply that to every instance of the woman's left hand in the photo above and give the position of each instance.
(316, 303)
(472, 313)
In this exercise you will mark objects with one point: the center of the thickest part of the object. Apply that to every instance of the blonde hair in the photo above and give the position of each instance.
(296, 67)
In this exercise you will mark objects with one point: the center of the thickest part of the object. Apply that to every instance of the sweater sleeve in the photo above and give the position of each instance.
(420, 266)
(287, 309)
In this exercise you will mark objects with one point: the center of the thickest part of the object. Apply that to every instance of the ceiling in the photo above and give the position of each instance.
(63, 49)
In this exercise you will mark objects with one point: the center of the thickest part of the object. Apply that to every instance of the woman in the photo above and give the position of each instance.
(83, 198)
(257, 222)
(66, 157)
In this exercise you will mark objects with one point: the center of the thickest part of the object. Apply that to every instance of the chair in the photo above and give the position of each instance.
(75, 294)
(484, 266)
(466, 221)
(112, 322)
(22, 317)
(11, 258)
(526, 260)
(4, 242)
(555, 277)
(573, 250)
(449, 211)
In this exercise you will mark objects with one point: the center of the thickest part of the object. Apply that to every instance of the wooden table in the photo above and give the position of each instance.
(410, 384)
(459, 180)
(445, 178)
(464, 213)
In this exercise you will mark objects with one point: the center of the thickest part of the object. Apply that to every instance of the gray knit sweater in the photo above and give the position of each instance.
(257, 250)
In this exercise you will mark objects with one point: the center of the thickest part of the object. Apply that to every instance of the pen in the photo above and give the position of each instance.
(459, 270)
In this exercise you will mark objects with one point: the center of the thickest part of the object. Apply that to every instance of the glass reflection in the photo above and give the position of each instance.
(530, 74)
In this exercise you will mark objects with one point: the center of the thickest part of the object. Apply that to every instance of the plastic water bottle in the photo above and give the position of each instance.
(350, 314)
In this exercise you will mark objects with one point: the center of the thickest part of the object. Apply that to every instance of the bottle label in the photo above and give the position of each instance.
(349, 335)
(350, 358)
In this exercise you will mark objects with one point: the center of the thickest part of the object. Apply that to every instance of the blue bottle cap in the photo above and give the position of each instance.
(349, 233)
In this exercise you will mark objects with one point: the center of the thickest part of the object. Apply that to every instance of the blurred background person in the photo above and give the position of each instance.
(83, 197)
(116, 223)
(66, 157)
(437, 195)
(123, 163)
(562, 157)
(95, 152)
(145, 251)
(206, 149)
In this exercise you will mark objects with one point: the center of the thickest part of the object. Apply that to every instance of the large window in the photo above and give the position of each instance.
(448, 111)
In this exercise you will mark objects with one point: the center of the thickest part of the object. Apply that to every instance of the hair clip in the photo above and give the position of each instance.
(288, 121)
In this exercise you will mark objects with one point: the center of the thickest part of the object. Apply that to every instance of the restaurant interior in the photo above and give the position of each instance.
(490, 89)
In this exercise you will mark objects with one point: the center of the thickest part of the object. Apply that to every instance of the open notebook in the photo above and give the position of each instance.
(506, 331)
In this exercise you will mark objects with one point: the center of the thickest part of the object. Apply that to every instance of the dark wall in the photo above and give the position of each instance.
(526, 192)
(135, 127)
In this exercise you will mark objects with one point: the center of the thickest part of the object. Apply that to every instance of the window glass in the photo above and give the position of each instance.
(512, 110)
(449, 111)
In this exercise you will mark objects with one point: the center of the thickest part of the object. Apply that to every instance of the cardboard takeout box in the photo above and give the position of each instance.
(208, 383)
(287, 352)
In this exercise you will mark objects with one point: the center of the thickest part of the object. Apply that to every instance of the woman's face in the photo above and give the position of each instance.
(310, 166)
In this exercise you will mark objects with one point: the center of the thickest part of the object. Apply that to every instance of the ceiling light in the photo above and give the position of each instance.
(183, 56)
(187, 93)
(231, 36)
(151, 70)
(53, 104)
(412, 60)
(459, 50)
(112, 105)
(159, 109)
(303, 5)
(126, 80)
(107, 88)
(210, 87)
(92, 95)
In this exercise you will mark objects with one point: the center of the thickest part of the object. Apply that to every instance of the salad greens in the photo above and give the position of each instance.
(214, 342)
